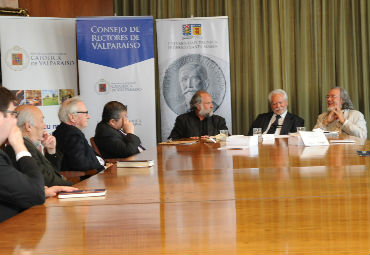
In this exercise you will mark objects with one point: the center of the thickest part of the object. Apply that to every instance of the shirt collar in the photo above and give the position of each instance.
(282, 116)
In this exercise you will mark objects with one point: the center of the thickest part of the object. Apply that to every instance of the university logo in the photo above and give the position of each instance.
(102, 87)
(17, 58)
(189, 30)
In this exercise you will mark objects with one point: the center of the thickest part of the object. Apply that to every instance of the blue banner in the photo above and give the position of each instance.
(116, 63)
(115, 41)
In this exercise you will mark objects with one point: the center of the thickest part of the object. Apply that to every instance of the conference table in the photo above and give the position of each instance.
(203, 199)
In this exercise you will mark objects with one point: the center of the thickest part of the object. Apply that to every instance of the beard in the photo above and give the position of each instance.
(205, 113)
(331, 108)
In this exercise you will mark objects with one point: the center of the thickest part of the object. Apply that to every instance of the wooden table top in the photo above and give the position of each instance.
(198, 199)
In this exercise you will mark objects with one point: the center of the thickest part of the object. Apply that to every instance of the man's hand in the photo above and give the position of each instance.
(49, 142)
(127, 126)
(15, 139)
(54, 190)
(334, 114)
(339, 115)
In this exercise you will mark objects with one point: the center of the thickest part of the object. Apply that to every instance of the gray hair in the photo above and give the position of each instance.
(347, 103)
(196, 99)
(25, 115)
(68, 107)
(277, 91)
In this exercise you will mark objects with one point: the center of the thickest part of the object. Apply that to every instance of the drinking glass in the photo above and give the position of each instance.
(257, 131)
(224, 134)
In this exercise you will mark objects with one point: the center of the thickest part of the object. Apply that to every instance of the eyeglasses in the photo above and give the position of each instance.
(87, 112)
(14, 113)
(332, 97)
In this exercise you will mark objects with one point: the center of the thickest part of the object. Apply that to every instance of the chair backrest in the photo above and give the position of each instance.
(93, 145)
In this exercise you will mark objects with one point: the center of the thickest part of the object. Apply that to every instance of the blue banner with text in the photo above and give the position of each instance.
(115, 41)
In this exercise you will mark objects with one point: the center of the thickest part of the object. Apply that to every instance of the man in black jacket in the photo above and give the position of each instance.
(31, 122)
(21, 186)
(114, 135)
(77, 153)
(279, 121)
(200, 121)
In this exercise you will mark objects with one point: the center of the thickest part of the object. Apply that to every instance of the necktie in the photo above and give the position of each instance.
(274, 125)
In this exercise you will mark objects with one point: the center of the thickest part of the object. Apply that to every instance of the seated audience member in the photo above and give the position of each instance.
(114, 135)
(31, 122)
(341, 116)
(21, 186)
(200, 121)
(279, 121)
(77, 153)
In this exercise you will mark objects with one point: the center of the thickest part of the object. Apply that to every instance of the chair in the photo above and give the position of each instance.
(93, 145)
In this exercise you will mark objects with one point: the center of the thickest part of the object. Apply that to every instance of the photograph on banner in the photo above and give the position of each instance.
(38, 59)
(193, 54)
(116, 63)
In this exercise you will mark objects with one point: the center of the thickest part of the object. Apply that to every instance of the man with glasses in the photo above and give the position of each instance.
(114, 135)
(279, 121)
(78, 155)
(341, 115)
(21, 186)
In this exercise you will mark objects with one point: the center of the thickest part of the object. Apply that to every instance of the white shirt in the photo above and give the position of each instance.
(280, 122)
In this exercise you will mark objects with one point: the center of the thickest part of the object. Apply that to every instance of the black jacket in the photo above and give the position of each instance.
(112, 143)
(21, 189)
(77, 153)
(189, 125)
(290, 124)
(49, 165)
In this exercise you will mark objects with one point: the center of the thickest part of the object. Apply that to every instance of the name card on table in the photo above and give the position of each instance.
(313, 138)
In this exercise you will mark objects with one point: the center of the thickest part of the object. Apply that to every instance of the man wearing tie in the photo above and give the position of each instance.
(279, 121)
(114, 135)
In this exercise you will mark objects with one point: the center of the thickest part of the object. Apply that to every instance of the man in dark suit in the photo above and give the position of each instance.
(78, 155)
(200, 121)
(279, 121)
(31, 122)
(22, 185)
(114, 135)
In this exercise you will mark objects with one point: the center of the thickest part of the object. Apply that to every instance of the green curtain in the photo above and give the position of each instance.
(305, 47)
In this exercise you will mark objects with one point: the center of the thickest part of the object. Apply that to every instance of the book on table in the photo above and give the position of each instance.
(135, 163)
(83, 193)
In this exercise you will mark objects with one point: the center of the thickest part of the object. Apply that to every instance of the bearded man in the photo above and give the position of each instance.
(200, 121)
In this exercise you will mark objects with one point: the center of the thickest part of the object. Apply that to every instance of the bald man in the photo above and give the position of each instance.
(31, 122)
(200, 121)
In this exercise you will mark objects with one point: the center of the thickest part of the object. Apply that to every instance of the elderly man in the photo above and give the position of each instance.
(114, 135)
(341, 116)
(200, 121)
(31, 122)
(77, 153)
(279, 121)
(22, 186)
(192, 77)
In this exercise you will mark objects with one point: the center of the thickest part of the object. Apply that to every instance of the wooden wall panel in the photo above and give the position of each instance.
(67, 8)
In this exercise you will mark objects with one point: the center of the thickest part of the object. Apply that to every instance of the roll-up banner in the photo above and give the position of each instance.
(199, 45)
(116, 63)
(38, 62)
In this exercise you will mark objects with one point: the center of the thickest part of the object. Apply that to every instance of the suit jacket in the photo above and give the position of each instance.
(77, 153)
(188, 125)
(290, 124)
(21, 189)
(112, 143)
(49, 165)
